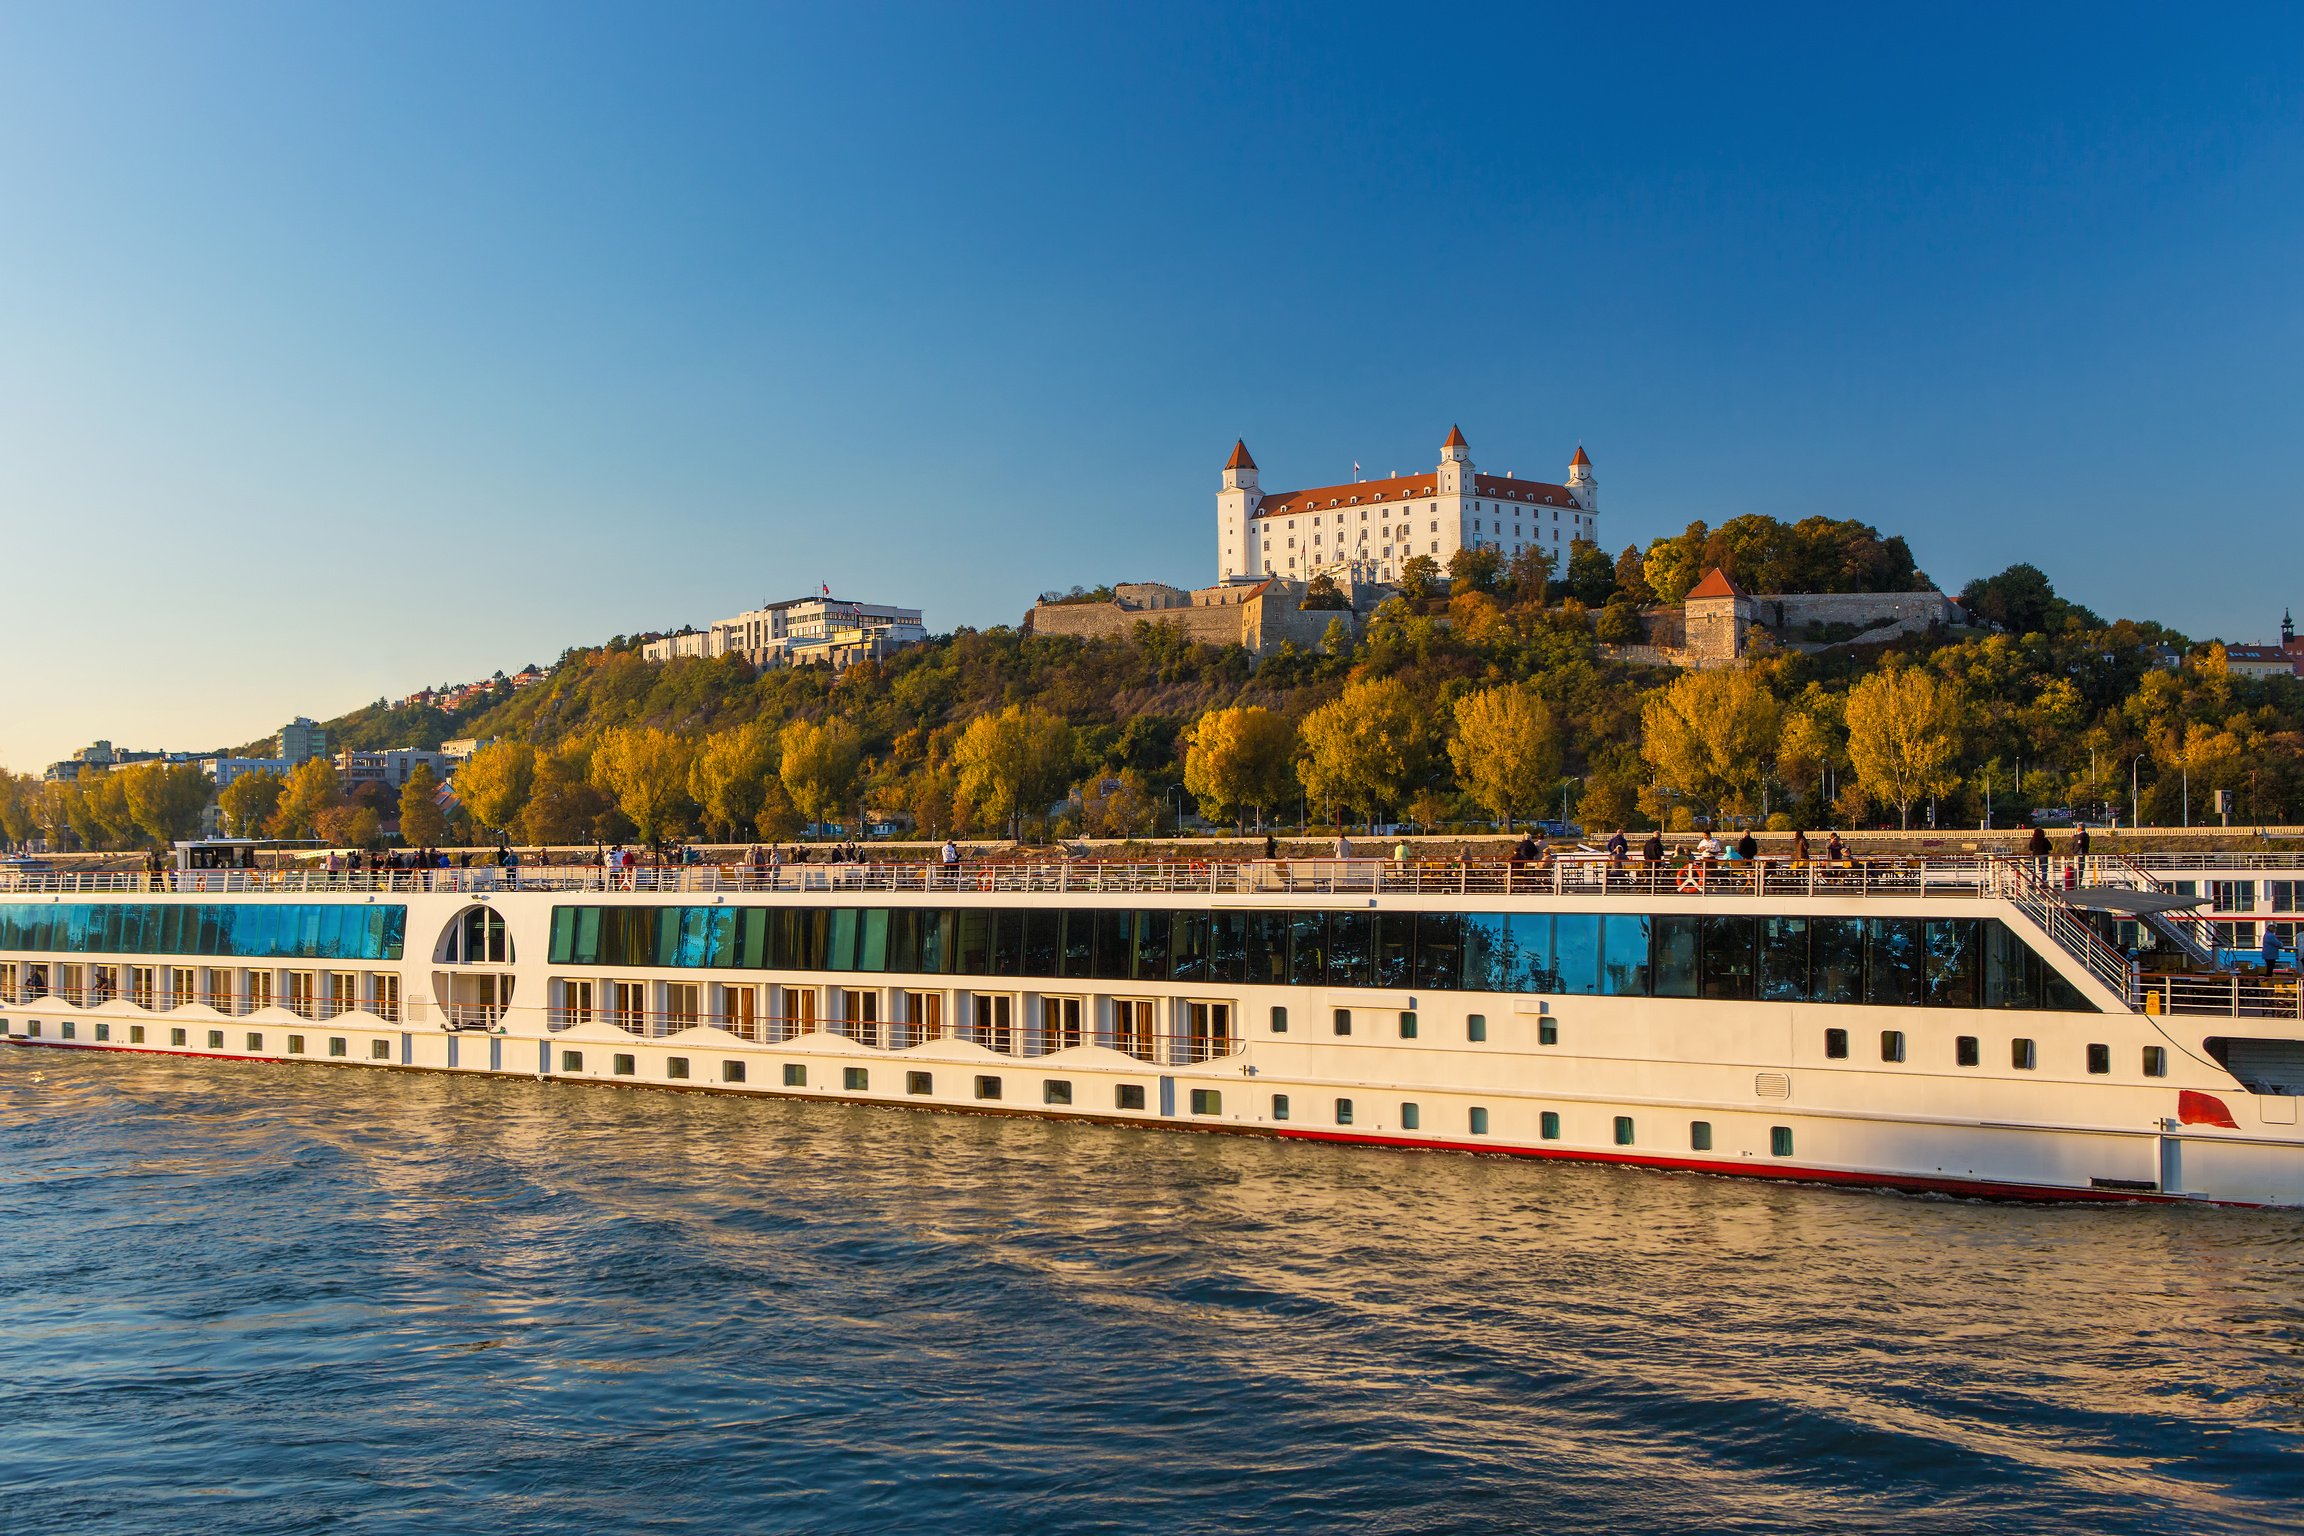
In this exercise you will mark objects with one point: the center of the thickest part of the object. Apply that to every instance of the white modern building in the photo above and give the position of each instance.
(1370, 529)
(390, 766)
(225, 769)
(803, 631)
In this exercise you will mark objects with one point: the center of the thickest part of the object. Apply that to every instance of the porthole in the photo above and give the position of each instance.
(1548, 1125)
(987, 1087)
(855, 1079)
(1476, 1028)
(1623, 1130)
(571, 1061)
(624, 1065)
(1343, 1111)
(1128, 1096)
(1699, 1135)
(1055, 1090)
(1479, 1122)
(676, 1066)
(731, 1071)
(1279, 1106)
(1207, 1101)
(1779, 1141)
(1411, 1118)
(919, 1082)
(795, 1075)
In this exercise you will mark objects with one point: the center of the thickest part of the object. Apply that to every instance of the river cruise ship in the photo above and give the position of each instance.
(1979, 1026)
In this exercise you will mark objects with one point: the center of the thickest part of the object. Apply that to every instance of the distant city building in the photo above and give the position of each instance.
(300, 739)
(463, 747)
(805, 631)
(101, 756)
(225, 769)
(389, 767)
(1370, 529)
(2283, 660)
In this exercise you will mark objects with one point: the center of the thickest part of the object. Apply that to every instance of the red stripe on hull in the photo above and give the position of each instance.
(1973, 1189)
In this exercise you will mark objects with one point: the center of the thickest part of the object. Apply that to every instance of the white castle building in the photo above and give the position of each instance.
(803, 631)
(1371, 528)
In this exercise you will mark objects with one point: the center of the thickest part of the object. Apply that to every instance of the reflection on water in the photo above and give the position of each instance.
(243, 1297)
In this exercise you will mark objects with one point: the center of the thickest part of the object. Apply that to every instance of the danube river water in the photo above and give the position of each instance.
(247, 1298)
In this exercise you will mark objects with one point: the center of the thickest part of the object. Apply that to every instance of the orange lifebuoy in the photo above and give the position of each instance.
(1692, 879)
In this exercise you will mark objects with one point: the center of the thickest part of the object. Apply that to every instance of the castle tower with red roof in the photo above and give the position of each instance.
(1368, 530)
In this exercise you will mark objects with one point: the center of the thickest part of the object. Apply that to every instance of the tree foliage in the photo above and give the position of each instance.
(1904, 737)
(249, 801)
(1367, 750)
(422, 823)
(1506, 750)
(1240, 759)
(645, 771)
(1709, 738)
(495, 783)
(166, 799)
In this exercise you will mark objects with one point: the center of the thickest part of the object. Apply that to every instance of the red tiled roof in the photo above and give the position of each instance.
(1716, 583)
(1398, 488)
(1522, 490)
(1455, 439)
(1239, 459)
(1321, 497)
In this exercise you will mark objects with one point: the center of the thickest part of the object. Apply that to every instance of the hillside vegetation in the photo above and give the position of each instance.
(1485, 699)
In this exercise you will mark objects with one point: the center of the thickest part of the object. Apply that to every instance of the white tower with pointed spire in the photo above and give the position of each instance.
(1581, 484)
(1236, 503)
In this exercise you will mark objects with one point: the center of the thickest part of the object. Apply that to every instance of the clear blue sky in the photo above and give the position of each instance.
(347, 349)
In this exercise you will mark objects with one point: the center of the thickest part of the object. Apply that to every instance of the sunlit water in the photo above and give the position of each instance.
(250, 1298)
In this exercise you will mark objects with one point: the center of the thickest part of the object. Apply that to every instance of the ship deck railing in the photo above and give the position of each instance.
(1572, 876)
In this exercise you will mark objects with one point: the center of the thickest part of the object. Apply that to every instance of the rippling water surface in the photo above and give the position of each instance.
(250, 1298)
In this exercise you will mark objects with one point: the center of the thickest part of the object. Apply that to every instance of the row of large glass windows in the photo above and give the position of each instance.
(238, 930)
(1908, 962)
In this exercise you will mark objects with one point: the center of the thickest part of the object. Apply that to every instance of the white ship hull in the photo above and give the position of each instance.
(2116, 1102)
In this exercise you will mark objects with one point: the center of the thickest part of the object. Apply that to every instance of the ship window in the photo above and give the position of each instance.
(1700, 1135)
(1479, 1121)
(1343, 1111)
(1207, 1101)
(1548, 1125)
(1836, 951)
(987, 1087)
(1055, 1090)
(1676, 948)
(623, 1065)
(795, 1074)
(1623, 1130)
(855, 1079)
(380, 1050)
(1407, 1026)
(104, 1032)
(2155, 1061)
(1128, 1096)
(731, 1071)
(1784, 959)
(1476, 1028)
(2022, 1055)
(215, 1038)
(1343, 1021)
(1279, 1106)
(571, 1061)
(1836, 1044)
(2099, 1058)
(1895, 961)
(919, 1082)
(1964, 1051)
(175, 1037)
(1891, 1045)
(1779, 1141)
(676, 1066)
(1547, 1031)
(295, 1044)
(1279, 1019)
(338, 1045)
(1952, 962)
(1727, 961)
(1411, 1117)
(135, 1034)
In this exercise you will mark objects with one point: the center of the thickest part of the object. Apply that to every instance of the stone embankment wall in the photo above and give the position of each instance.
(1261, 623)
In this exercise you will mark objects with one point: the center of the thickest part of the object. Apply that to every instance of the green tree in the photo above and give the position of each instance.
(1119, 805)
(1474, 569)
(313, 788)
(16, 823)
(166, 799)
(1419, 579)
(250, 799)
(495, 783)
(1591, 578)
(1620, 623)
(1506, 750)
(422, 823)
(731, 777)
(1239, 759)
(1709, 736)
(564, 806)
(1529, 575)
(1904, 737)
(1632, 577)
(1012, 763)
(821, 761)
(1366, 750)
(645, 770)
(1807, 747)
